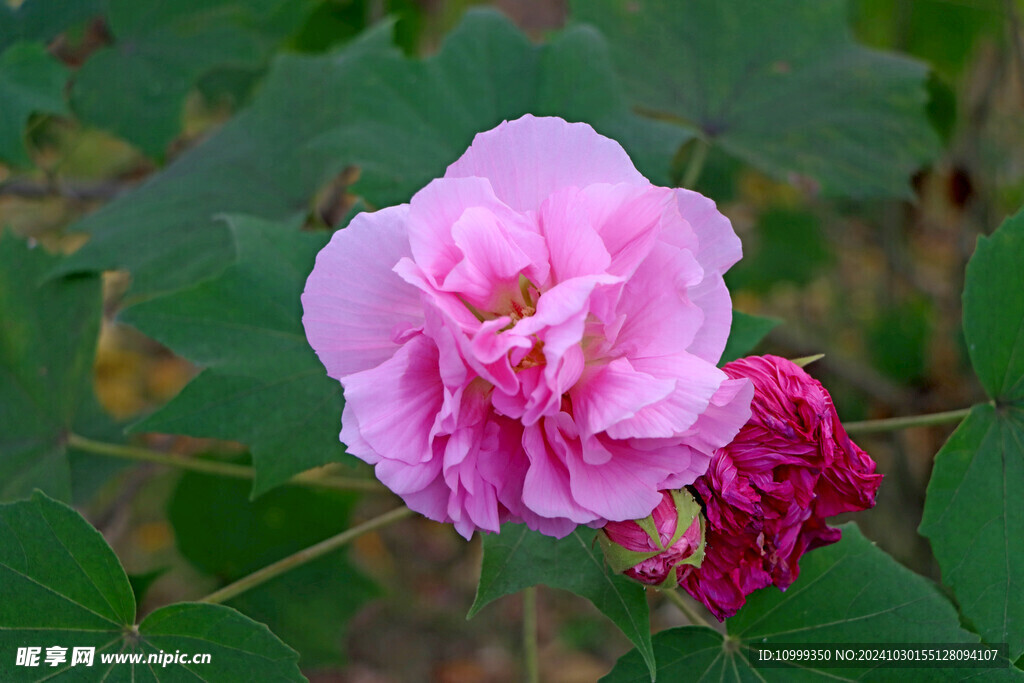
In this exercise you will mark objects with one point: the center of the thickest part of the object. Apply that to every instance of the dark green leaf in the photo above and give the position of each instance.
(43, 20)
(780, 85)
(994, 311)
(136, 88)
(62, 585)
(224, 534)
(401, 120)
(31, 81)
(975, 521)
(46, 354)
(850, 592)
(972, 513)
(746, 333)
(263, 384)
(518, 558)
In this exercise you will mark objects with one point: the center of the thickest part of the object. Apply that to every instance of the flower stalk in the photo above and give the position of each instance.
(305, 556)
(530, 659)
(676, 599)
(896, 423)
(225, 469)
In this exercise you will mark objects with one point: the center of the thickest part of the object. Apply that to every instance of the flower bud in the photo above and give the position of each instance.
(651, 549)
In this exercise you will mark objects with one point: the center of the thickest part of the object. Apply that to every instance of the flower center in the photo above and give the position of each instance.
(534, 358)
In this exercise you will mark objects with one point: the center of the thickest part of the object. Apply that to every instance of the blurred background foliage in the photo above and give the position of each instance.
(98, 95)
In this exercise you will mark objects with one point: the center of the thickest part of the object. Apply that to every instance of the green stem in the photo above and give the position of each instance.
(676, 599)
(530, 659)
(696, 164)
(305, 555)
(225, 469)
(894, 423)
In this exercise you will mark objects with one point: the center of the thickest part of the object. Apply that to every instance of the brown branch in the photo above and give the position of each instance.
(77, 191)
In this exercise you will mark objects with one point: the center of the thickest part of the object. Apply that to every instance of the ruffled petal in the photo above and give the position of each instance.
(354, 306)
(531, 158)
(547, 489)
(400, 427)
(628, 218)
(719, 247)
(659, 317)
(696, 382)
(574, 246)
(613, 394)
(622, 487)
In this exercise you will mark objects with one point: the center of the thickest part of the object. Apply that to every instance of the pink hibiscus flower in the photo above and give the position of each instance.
(533, 338)
(767, 493)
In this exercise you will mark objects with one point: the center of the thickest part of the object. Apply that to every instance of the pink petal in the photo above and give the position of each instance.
(354, 305)
(712, 297)
(623, 487)
(435, 209)
(660, 319)
(574, 246)
(491, 261)
(531, 158)
(719, 248)
(726, 414)
(628, 218)
(615, 393)
(547, 489)
(696, 381)
(397, 402)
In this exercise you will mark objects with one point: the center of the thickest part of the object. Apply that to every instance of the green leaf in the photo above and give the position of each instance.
(518, 558)
(46, 354)
(262, 385)
(850, 592)
(972, 514)
(43, 20)
(31, 81)
(746, 333)
(994, 311)
(780, 85)
(224, 534)
(137, 87)
(402, 121)
(974, 520)
(62, 585)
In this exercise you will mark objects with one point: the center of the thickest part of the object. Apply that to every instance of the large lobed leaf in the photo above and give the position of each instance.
(46, 351)
(402, 121)
(781, 85)
(262, 385)
(61, 585)
(973, 515)
(850, 592)
(136, 88)
(518, 558)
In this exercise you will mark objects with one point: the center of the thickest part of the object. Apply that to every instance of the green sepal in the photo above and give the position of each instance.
(687, 509)
(804, 361)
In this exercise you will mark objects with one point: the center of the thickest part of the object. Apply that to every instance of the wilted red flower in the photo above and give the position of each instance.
(652, 549)
(767, 493)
